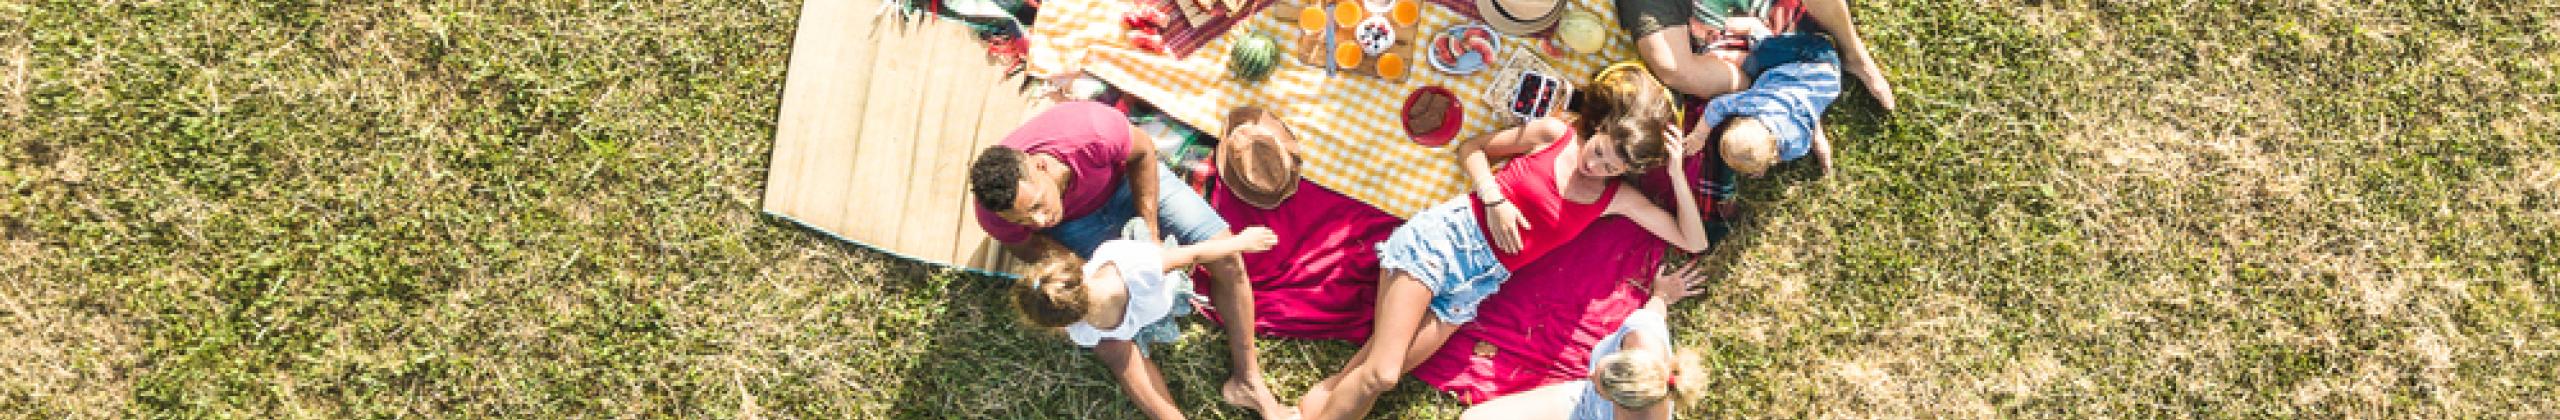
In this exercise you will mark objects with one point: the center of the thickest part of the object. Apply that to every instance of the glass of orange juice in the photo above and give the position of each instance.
(1348, 13)
(1311, 18)
(1405, 12)
(1348, 55)
(1390, 66)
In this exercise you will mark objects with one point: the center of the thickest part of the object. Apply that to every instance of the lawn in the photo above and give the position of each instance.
(307, 208)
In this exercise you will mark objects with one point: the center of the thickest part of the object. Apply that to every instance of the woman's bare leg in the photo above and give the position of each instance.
(1403, 305)
(1315, 398)
(1832, 16)
(1427, 340)
(1666, 52)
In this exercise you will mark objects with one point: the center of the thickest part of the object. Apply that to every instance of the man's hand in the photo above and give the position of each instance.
(1505, 224)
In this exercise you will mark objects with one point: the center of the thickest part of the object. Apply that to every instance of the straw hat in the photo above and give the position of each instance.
(1259, 165)
(1520, 17)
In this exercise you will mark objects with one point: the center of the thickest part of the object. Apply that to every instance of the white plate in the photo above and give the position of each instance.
(1468, 62)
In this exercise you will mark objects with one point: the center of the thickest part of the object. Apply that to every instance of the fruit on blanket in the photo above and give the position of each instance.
(1391, 66)
(1253, 57)
(1347, 55)
(1146, 41)
(1582, 32)
(1483, 47)
(1145, 18)
(1476, 32)
(1442, 50)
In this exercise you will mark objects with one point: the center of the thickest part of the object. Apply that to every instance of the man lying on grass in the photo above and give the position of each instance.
(1073, 177)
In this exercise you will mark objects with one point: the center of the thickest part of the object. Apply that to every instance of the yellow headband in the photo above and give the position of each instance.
(1615, 70)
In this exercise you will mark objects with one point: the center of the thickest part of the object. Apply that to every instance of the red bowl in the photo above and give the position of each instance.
(1448, 125)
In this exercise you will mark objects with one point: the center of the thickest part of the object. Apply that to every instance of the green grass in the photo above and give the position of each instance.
(2106, 209)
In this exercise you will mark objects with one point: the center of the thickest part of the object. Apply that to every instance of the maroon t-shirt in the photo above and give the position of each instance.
(1091, 138)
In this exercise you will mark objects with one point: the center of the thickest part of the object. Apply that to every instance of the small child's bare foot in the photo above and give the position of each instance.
(1239, 392)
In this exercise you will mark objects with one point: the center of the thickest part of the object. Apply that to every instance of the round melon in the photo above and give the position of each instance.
(1254, 57)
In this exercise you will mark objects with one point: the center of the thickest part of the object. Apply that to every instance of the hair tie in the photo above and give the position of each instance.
(1672, 380)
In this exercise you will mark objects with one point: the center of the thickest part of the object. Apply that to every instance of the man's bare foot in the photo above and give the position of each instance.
(1240, 393)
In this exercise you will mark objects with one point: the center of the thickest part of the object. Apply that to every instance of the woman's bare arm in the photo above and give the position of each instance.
(1475, 160)
(1683, 228)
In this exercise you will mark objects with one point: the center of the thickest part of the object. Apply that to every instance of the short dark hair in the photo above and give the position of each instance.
(993, 175)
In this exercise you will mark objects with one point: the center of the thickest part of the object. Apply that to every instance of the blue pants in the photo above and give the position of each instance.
(1180, 211)
(1800, 46)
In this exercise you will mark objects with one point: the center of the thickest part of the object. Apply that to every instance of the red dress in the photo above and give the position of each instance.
(1530, 183)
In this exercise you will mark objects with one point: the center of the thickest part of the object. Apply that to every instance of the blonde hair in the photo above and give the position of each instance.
(1636, 380)
(1052, 294)
(1747, 154)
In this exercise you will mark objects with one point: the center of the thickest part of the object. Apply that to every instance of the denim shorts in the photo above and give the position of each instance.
(1180, 211)
(1792, 47)
(1444, 248)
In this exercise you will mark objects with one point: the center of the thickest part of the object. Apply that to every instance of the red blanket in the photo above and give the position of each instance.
(1539, 329)
(1321, 282)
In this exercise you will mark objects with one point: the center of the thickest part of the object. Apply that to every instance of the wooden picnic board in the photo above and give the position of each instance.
(879, 120)
(1309, 48)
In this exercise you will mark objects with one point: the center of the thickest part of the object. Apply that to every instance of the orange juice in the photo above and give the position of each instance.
(1391, 66)
(1348, 13)
(1406, 12)
(1311, 18)
(1347, 54)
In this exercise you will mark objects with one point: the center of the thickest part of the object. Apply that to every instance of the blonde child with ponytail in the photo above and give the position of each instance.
(1124, 297)
(1636, 373)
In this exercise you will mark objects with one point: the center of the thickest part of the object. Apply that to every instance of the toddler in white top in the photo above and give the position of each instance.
(1125, 297)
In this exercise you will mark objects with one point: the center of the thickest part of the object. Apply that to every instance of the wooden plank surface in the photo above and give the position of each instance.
(879, 120)
(995, 119)
(888, 140)
(942, 145)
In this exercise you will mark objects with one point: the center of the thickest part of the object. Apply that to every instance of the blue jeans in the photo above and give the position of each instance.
(1800, 46)
(1180, 212)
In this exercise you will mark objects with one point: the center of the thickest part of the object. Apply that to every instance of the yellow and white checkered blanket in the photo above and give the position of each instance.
(1348, 126)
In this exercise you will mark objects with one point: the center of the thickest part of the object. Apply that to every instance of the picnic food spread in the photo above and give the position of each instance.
(1432, 115)
(1374, 35)
(1343, 36)
(1254, 57)
(1463, 49)
(1353, 138)
(1322, 122)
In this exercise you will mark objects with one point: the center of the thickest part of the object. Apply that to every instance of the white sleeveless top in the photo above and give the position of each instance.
(1141, 267)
